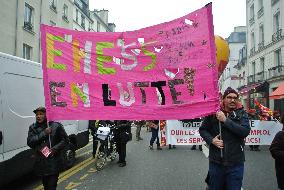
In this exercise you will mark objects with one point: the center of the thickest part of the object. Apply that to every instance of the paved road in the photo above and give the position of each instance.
(176, 169)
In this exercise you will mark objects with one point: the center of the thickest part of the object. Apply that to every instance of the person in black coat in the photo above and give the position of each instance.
(122, 135)
(47, 140)
(226, 149)
(277, 152)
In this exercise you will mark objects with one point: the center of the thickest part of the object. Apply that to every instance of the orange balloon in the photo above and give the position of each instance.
(222, 53)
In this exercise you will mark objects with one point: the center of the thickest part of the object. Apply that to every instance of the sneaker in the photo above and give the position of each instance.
(159, 148)
(151, 147)
(118, 162)
(193, 147)
(122, 164)
(200, 148)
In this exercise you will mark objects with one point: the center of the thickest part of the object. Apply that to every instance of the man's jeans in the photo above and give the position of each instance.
(230, 177)
(155, 135)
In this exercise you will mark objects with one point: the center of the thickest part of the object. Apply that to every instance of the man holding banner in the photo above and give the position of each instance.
(225, 133)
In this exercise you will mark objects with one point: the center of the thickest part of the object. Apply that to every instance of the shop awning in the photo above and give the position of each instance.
(278, 93)
(248, 88)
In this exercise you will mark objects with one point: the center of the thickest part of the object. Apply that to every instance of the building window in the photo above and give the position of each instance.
(253, 68)
(260, 4)
(53, 4)
(277, 56)
(52, 23)
(251, 18)
(276, 22)
(98, 26)
(261, 37)
(252, 45)
(90, 26)
(260, 11)
(252, 40)
(77, 16)
(83, 21)
(65, 12)
(27, 52)
(261, 33)
(262, 64)
(28, 20)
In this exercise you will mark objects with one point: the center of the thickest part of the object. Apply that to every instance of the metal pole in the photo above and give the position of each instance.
(49, 136)
(220, 131)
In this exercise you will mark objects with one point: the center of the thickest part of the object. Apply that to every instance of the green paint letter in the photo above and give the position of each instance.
(104, 58)
(51, 52)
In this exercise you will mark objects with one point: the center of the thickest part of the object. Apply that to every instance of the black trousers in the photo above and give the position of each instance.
(50, 182)
(95, 145)
(121, 149)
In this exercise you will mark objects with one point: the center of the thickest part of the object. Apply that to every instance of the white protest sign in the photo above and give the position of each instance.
(183, 133)
(187, 133)
(262, 132)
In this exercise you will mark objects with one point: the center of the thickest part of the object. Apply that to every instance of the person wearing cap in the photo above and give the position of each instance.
(225, 132)
(277, 151)
(47, 139)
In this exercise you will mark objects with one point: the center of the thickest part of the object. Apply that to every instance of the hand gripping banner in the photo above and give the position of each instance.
(162, 72)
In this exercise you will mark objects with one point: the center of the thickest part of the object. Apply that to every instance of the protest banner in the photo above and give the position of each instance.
(166, 71)
(262, 132)
(187, 133)
(183, 132)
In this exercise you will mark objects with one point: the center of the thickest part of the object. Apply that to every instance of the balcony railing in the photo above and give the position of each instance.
(251, 21)
(273, 2)
(260, 77)
(277, 35)
(251, 79)
(261, 46)
(252, 51)
(244, 60)
(260, 12)
(276, 71)
(53, 7)
(28, 26)
(83, 25)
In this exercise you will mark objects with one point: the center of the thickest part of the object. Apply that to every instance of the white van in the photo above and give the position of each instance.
(21, 91)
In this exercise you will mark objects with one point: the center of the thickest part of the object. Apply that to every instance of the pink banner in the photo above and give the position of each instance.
(162, 72)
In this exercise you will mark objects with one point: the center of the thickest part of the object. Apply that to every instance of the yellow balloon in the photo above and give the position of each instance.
(222, 53)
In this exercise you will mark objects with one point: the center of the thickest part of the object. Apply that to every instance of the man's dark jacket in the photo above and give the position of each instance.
(37, 139)
(123, 131)
(277, 152)
(234, 131)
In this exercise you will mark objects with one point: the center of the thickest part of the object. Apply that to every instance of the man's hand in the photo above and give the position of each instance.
(221, 116)
(48, 130)
(217, 142)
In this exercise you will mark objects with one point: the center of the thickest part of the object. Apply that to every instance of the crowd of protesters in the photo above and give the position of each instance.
(226, 165)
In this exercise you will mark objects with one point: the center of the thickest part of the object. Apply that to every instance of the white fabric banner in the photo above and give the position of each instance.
(262, 132)
(183, 133)
(187, 133)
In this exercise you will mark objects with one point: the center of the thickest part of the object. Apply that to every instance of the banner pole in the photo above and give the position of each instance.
(220, 131)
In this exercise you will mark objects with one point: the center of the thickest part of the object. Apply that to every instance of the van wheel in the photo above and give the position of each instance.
(69, 156)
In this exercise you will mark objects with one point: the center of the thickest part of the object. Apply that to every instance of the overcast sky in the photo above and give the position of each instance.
(131, 15)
